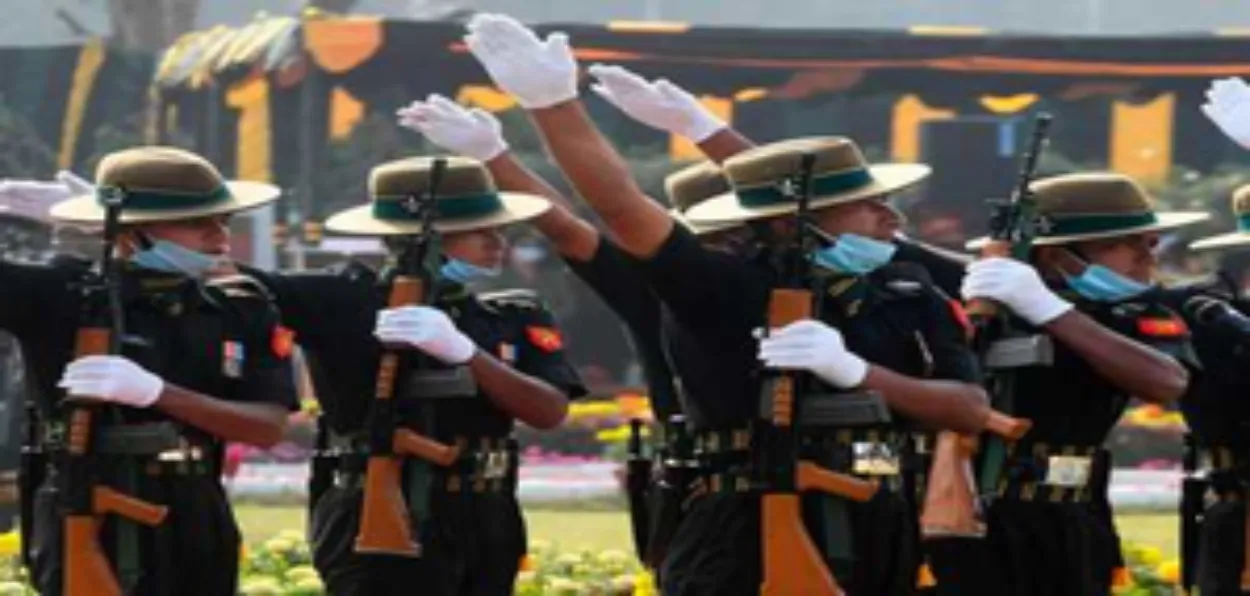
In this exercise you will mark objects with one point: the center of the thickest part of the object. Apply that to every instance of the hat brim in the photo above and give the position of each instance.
(700, 229)
(517, 207)
(1228, 240)
(244, 195)
(886, 178)
(1163, 223)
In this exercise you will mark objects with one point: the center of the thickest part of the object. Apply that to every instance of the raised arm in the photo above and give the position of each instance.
(477, 134)
(542, 75)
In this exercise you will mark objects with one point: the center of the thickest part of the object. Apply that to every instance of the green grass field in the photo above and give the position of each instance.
(603, 530)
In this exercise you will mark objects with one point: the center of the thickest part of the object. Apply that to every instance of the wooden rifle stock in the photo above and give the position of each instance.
(87, 569)
(792, 563)
(950, 505)
(385, 522)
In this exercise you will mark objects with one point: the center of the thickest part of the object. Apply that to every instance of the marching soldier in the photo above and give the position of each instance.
(466, 519)
(613, 274)
(201, 363)
(902, 338)
(1087, 296)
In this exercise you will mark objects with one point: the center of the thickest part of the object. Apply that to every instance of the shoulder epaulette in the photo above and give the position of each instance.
(240, 286)
(518, 298)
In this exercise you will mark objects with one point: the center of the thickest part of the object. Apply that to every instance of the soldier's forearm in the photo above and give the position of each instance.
(602, 178)
(521, 396)
(256, 424)
(724, 144)
(1136, 368)
(951, 405)
(573, 237)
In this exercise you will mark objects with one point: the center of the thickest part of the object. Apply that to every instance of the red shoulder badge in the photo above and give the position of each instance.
(1162, 327)
(547, 339)
(961, 315)
(282, 342)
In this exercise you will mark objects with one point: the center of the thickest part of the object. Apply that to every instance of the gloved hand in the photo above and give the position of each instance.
(1228, 106)
(817, 348)
(1015, 285)
(472, 133)
(33, 198)
(427, 329)
(112, 379)
(659, 104)
(539, 73)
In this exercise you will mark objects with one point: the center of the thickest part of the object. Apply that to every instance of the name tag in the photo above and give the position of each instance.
(874, 459)
(1068, 471)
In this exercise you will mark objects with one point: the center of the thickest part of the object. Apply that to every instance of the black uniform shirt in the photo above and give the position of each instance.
(1071, 404)
(334, 314)
(222, 341)
(894, 317)
(616, 277)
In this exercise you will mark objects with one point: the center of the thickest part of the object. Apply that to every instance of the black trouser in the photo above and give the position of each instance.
(194, 552)
(717, 548)
(472, 544)
(961, 565)
(1221, 550)
(1050, 549)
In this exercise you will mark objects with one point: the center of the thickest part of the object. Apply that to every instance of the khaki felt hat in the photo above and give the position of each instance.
(1241, 237)
(466, 199)
(692, 185)
(163, 184)
(761, 179)
(1096, 205)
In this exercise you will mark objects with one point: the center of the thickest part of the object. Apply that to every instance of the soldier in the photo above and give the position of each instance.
(1087, 290)
(613, 275)
(201, 363)
(919, 363)
(474, 537)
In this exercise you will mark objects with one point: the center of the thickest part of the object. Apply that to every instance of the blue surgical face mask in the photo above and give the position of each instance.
(172, 257)
(855, 254)
(1101, 284)
(464, 272)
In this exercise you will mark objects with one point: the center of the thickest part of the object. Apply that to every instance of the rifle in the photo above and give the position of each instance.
(679, 471)
(792, 563)
(1193, 493)
(385, 520)
(1013, 226)
(86, 500)
(637, 482)
(30, 475)
(324, 462)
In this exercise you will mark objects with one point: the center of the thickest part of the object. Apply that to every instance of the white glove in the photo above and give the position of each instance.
(33, 198)
(427, 329)
(817, 348)
(659, 104)
(472, 133)
(111, 379)
(538, 73)
(1228, 106)
(1015, 285)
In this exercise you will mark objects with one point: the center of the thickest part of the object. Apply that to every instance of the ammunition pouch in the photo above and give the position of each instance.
(1056, 474)
(485, 465)
(155, 448)
(455, 382)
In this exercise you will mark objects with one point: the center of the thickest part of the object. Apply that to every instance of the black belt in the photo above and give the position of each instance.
(1227, 471)
(1054, 473)
(725, 456)
(485, 465)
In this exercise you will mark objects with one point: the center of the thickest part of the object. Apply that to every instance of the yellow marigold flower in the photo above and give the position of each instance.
(1170, 571)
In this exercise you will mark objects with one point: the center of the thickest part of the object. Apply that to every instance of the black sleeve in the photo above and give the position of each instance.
(269, 375)
(318, 305)
(945, 268)
(948, 333)
(541, 353)
(707, 291)
(30, 293)
(618, 280)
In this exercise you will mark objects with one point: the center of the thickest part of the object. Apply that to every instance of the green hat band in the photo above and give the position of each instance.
(776, 194)
(394, 208)
(147, 200)
(1097, 224)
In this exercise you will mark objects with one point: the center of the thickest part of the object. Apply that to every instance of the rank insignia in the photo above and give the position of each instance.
(546, 339)
(507, 352)
(1158, 327)
(282, 341)
(232, 359)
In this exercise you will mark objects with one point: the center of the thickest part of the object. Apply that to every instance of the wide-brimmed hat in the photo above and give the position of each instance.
(1241, 237)
(762, 179)
(162, 184)
(692, 185)
(1096, 205)
(466, 199)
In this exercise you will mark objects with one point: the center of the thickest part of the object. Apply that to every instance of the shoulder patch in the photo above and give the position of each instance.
(547, 339)
(240, 286)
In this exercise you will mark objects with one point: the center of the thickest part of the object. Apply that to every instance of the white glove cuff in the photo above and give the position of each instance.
(490, 151)
(703, 125)
(1044, 308)
(854, 370)
(461, 349)
(547, 99)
